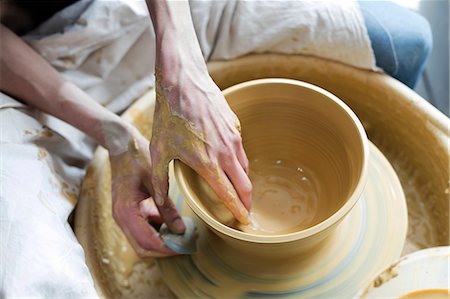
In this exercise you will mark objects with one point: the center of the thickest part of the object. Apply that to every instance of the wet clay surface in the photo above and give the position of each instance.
(286, 197)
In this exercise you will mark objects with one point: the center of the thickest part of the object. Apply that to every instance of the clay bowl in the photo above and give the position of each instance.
(423, 274)
(307, 129)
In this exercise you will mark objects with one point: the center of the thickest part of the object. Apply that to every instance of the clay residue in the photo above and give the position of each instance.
(174, 137)
(422, 226)
(125, 163)
(42, 153)
(70, 193)
(120, 257)
(46, 133)
(387, 275)
(171, 122)
(424, 178)
(67, 61)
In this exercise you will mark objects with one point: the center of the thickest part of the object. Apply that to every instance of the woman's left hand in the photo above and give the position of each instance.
(133, 207)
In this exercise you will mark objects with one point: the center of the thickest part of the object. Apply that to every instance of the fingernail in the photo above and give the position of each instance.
(178, 226)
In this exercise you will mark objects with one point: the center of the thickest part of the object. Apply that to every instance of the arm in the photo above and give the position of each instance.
(28, 77)
(192, 120)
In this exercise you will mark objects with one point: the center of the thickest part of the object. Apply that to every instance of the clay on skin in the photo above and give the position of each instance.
(116, 138)
(133, 153)
(180, 136)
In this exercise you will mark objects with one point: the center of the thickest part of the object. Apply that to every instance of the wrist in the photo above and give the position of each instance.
(176, 41)
(173, 56)
(116, 135)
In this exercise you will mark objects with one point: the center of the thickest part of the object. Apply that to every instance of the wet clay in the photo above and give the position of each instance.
(285, 196)
(428, 294)
(166, 122)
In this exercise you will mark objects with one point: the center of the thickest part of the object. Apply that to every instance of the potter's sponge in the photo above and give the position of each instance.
(185, 243)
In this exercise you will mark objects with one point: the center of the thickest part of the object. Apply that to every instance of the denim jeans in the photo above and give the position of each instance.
(401, 39)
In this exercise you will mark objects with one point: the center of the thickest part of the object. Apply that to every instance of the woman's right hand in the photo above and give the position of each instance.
(193, 123)
(192, 120)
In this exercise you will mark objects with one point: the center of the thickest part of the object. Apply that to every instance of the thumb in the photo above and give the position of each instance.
(160, 182)
(159, 175)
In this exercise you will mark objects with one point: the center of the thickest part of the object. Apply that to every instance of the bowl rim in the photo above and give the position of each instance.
(313, 230)
(414, 259)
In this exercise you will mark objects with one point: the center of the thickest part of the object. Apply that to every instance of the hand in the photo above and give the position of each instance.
(133, 208)
(192, 120)
(27, 76)
(193, 123)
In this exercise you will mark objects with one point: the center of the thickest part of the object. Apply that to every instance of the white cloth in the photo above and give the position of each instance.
(40, 177)
(107, 48)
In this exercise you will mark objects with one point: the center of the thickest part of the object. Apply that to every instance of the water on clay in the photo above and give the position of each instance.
(285, 197)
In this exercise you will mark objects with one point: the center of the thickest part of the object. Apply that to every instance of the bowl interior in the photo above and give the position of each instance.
(307, 152)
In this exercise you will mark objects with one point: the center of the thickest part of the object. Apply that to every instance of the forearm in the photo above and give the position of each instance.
(176, 41)
(27, 76)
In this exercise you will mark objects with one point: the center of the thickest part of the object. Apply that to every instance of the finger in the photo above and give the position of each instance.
(152, 212)
(239, 148)
(240, 181)
(171, 217)
(160, 182)
(219, 182)
(142, 236)
(242, 156)
(159, 174)
(146, 239)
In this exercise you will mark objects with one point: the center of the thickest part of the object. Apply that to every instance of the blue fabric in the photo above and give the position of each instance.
(181, 244)
(401, 39)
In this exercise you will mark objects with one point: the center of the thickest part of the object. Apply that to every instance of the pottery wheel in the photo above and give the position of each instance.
(387, 112)
(370, 237)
